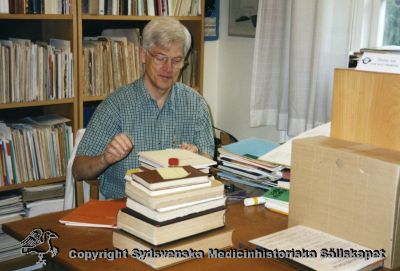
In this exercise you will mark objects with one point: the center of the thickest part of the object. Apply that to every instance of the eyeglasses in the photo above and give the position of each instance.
(159, 59)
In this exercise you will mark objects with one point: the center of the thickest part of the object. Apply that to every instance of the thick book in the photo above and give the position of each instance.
(178, 196)
(317, 250)
(186, 158)
(153, 180)
(157, 233)
(43, 192)
(174, 211)
(214, 239)
(95, 213)
(168, 190)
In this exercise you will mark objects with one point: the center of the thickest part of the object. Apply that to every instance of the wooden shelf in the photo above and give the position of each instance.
(92, 25)
(135, 18)
(32, 183)
(32, 104)
(42, 27)
(94, 98)
(35, 17)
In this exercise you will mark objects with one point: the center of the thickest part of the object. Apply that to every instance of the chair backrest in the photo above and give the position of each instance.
(69, 198)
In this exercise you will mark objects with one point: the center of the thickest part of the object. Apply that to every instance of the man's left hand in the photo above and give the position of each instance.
(189, 147)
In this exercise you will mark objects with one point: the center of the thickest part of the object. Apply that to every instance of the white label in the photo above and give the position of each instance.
(379, 62)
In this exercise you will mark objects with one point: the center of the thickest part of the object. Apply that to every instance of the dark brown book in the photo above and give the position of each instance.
(215, 239)
(152, 180)
(171, 221)
(158, 233)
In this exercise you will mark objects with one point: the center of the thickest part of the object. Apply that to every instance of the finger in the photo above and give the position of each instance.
(111, 155)
(124, 141)
(189, 147)
(118, 146)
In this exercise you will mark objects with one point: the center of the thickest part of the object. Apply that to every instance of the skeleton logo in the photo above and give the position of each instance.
(39, 238)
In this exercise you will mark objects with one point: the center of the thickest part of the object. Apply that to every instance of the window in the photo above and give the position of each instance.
(391, 31)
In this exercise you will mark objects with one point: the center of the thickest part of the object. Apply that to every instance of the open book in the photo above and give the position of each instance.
(319, 250)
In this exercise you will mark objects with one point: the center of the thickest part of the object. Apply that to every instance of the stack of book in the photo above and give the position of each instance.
(180, 206)
(160, 158)
(239, 163)
(43, 199)
(11, 209)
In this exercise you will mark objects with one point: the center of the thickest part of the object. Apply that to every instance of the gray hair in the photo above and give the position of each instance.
(165, 30)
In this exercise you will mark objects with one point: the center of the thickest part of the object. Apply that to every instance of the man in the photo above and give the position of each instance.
(154, 112)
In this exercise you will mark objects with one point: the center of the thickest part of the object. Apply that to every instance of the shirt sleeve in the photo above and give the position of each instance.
(103, 126)
(204, 138)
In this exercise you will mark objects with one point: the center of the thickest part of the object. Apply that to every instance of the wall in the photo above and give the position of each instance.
(227, 80)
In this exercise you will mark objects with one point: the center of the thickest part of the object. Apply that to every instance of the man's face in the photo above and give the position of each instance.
(162, 66)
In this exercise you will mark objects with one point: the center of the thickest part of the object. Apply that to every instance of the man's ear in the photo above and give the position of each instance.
(142, 53)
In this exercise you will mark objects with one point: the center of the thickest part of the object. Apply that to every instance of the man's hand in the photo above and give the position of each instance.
(189, 147)
(119, 147)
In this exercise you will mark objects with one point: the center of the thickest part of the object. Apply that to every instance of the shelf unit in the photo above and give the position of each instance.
(92, 25)
(42, 27)
(73, 27)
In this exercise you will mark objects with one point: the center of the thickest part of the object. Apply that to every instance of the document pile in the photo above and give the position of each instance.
(239, 162)
(172, 208)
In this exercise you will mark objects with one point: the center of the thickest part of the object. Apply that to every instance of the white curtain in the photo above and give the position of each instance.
(298, 44)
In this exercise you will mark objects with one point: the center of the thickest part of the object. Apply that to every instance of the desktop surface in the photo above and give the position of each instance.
(248, 223)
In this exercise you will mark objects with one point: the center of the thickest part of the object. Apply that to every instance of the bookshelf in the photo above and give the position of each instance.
(92, 25)
(41, 28)
(74, 27)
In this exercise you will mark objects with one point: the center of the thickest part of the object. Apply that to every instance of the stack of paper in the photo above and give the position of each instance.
(240, 163)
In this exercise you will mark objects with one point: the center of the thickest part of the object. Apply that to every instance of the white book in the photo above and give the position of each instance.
(171, 212)
(281, 155)
(168, 190)
(186, 158)
(4, 6)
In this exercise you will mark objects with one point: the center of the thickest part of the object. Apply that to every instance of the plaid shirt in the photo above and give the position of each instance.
(131, 110)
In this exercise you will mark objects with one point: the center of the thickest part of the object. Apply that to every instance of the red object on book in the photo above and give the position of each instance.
(173, 162)
(95, 213)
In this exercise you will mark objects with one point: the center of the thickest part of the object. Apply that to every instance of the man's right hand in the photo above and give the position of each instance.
(119, 147)
(89, 167)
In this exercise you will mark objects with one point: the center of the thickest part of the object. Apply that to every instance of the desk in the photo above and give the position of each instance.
(248, 222)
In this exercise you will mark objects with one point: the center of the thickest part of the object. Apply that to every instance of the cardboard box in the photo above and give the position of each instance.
(347, 189)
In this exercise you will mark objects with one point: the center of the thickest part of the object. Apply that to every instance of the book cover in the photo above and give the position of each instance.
(158, 233)
(216, 239)
(167, 190)
(95, 213)
(186, 158)
(277, 194)
(174, 211)
(152, 179)
(155, 223)
(177, 196)
(252, 147)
